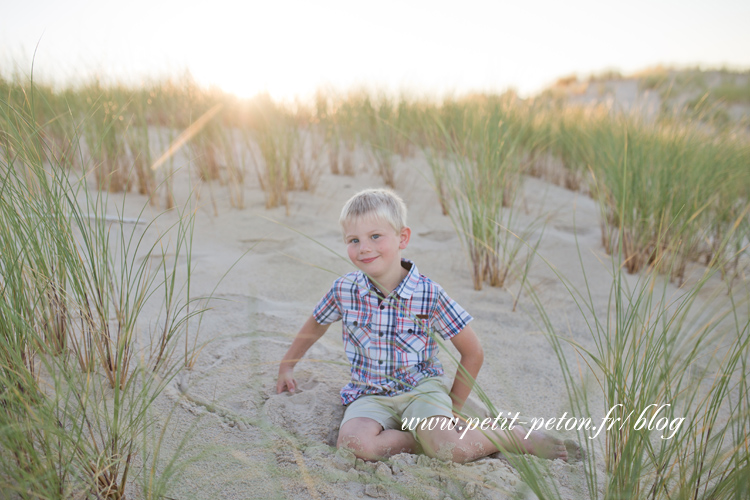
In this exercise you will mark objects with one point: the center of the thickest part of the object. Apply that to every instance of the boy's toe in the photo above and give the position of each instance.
(574, 451)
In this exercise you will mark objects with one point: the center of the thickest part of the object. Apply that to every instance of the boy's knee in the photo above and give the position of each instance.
(352, 442)
(345, 441)
(355, 444)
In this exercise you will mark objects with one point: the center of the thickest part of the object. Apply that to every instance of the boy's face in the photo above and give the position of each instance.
(375, 247)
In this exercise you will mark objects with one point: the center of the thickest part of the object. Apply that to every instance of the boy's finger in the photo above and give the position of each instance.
(281, 385)
(289, 385)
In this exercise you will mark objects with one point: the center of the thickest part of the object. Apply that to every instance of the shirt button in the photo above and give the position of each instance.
(380, 362)
(381, 334)
(382, 307)
(355, 323)
(410, 330)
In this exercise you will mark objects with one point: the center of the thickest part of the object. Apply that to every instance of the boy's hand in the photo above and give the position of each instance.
(286, 382)
(459, 421)
(309, 334)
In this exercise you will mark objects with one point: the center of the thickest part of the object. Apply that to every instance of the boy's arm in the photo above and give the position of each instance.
(310, 332)
(472, 357)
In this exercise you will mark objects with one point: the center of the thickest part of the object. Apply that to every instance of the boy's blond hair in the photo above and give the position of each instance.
(381, 203)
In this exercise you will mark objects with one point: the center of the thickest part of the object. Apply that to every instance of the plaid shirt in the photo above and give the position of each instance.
(389, 342)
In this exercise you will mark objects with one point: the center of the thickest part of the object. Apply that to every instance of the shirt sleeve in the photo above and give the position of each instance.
(328, 310)
(448, 317)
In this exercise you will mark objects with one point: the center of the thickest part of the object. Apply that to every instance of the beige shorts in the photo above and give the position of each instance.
(428, 399)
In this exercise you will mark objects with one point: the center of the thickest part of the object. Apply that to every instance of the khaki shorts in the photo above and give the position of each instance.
(428, 399)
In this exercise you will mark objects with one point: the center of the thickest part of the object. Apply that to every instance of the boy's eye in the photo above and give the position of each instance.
(375, 236)
(354, 240)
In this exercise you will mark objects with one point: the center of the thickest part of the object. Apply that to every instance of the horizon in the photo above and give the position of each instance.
(291, 49)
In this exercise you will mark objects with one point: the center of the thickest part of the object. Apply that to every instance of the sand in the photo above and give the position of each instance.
(237, 438)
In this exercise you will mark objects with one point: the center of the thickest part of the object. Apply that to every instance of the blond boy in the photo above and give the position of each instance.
(391, 315)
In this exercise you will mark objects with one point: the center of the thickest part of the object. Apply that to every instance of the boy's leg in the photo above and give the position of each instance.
(442, 439)
(369, 441)
(371, 429)
(445, 442)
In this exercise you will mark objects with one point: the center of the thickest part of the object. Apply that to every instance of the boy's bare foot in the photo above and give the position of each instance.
(575, 452)
(544, 445)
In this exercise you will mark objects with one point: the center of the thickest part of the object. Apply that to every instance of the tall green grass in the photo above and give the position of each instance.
(670, 367)
(666, 190)
(475, 156)
(277, 138)
(675, 186)
(77, 376)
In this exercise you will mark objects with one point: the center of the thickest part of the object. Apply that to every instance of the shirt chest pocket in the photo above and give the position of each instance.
(412, 338)
(357, 330)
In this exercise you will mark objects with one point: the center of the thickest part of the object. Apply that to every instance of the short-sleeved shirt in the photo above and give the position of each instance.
(390, 342)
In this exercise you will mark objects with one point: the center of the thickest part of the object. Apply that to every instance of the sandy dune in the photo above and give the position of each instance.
(242, 440)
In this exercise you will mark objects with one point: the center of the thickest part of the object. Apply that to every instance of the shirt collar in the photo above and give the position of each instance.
(405, 289)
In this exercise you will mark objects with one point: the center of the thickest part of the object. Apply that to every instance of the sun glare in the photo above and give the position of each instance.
(290, 48)
(244, 80)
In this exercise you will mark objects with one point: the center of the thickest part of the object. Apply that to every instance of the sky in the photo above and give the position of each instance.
(293, 47)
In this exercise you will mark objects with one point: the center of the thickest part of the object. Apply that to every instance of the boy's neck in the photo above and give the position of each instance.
(386, 286)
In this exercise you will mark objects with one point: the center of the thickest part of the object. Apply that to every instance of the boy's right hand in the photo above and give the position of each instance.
(286, 382)
(309, 334)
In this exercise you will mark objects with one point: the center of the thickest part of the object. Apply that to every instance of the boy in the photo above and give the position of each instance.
(388, 309)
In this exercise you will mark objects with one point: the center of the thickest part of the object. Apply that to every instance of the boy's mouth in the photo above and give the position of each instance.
(368, 260)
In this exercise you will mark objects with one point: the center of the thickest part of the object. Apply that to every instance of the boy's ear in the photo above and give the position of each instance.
(404, 237)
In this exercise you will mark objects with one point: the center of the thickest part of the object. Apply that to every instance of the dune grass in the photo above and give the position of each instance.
(674, 185)
(734, 92)
(76, 378)
(475, 156)
(277, 140)
(669, 365)
(667, 191)
(668, 187)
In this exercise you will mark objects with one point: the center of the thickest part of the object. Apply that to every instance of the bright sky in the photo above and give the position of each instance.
(292, 47)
